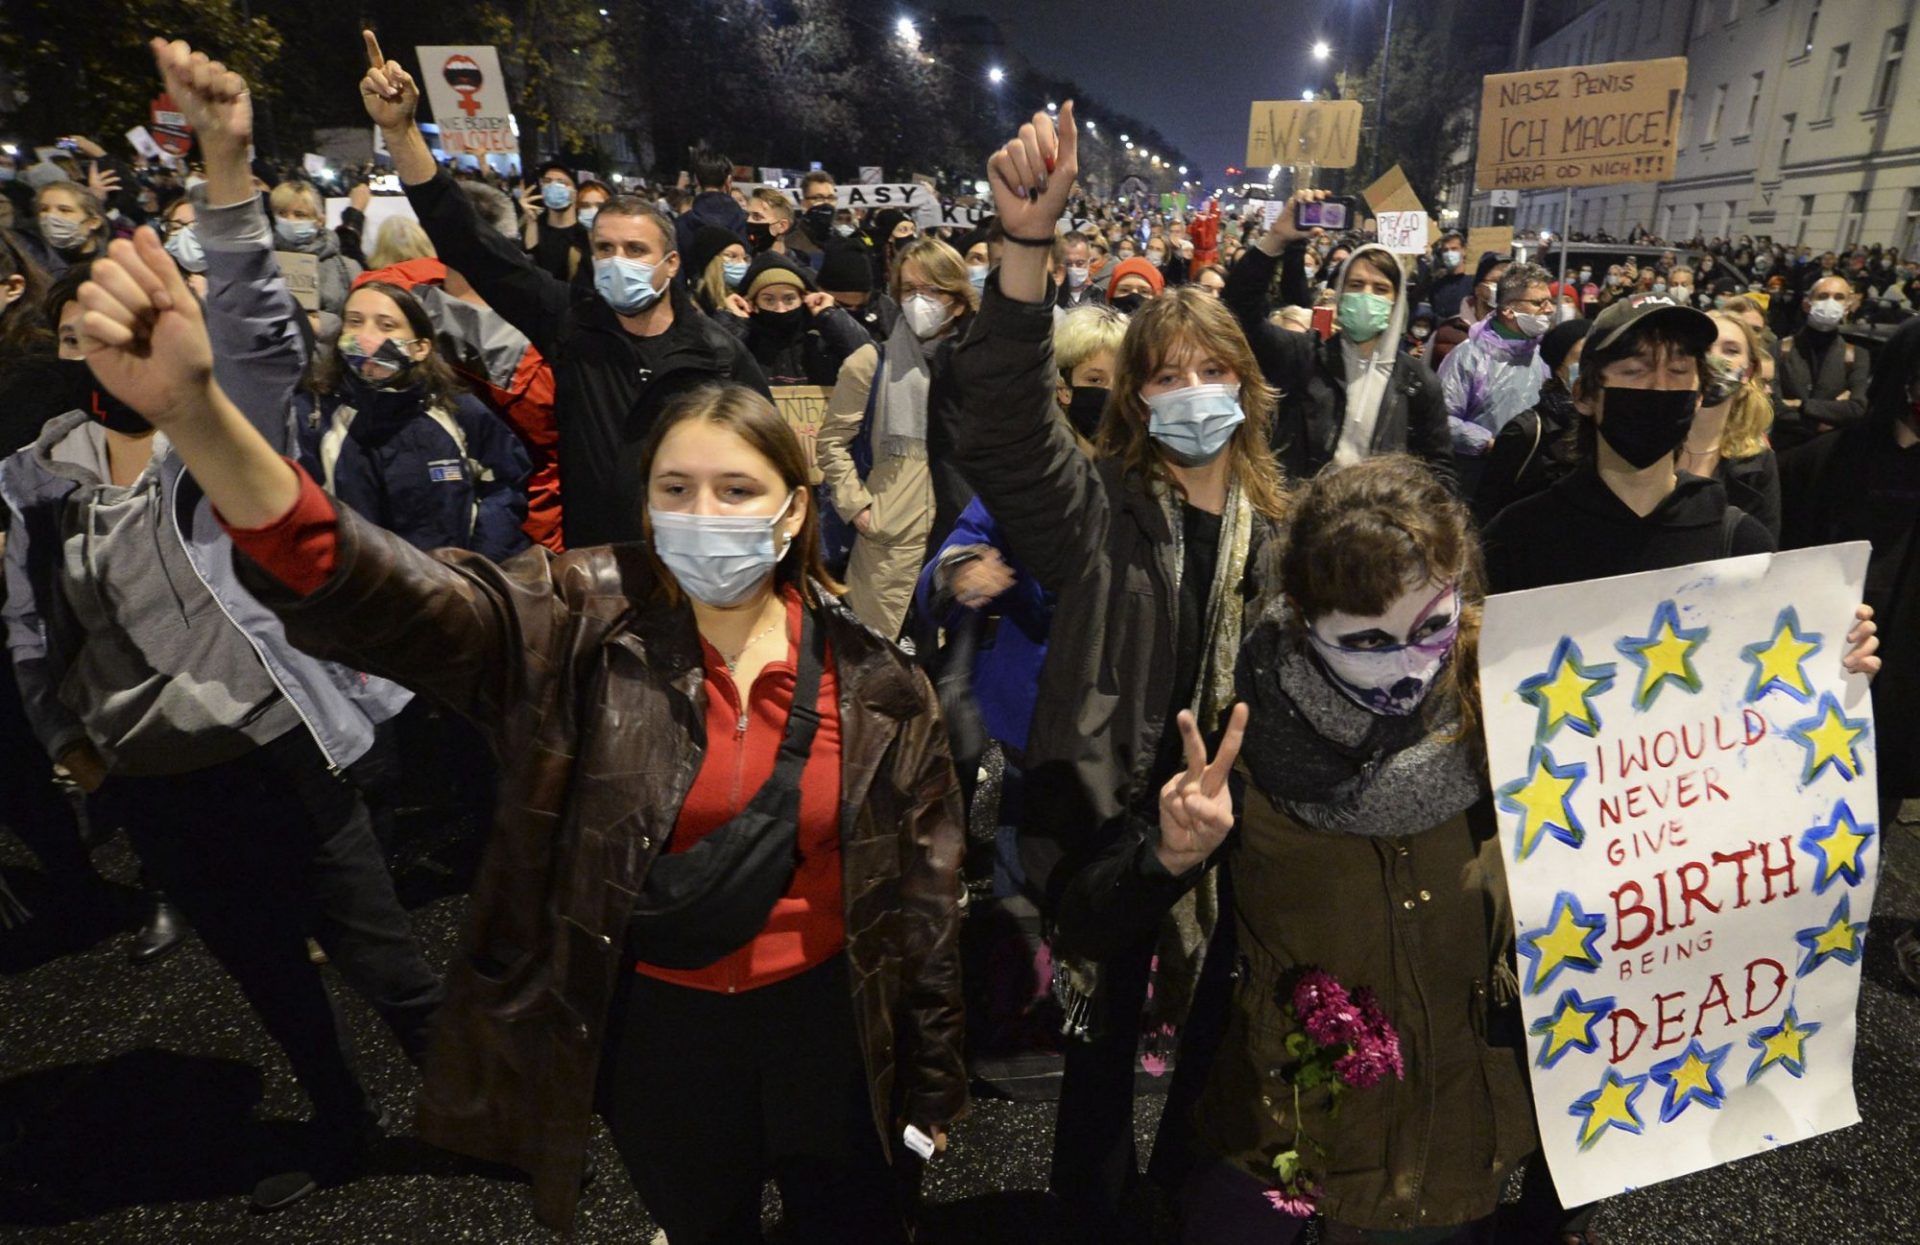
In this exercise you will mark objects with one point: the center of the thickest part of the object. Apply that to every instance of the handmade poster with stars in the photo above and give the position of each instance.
(1684, 776)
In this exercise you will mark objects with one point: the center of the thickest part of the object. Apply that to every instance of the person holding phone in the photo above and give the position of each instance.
(1357, 394)
(551, 227)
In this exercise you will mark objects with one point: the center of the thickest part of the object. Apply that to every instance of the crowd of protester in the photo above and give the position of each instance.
(1131, 494)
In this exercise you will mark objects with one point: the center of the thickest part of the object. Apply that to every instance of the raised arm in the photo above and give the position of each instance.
(1011, 446)
(532, 301)
(1286, 358)
(258, 348)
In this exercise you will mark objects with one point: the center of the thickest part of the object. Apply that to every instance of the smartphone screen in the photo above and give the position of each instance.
(1329, 214)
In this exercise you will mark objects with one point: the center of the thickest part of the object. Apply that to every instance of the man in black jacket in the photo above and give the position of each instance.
(618, 355)
(1820, 378)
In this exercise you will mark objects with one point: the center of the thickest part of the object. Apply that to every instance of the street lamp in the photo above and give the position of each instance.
(907, 32)
(1307, 94)
(1052, 107)
(1322, 50)
(1126, 140)
(1183, 170)
(996, 75)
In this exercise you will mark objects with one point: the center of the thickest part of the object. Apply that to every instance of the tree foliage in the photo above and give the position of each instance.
(1433, 78)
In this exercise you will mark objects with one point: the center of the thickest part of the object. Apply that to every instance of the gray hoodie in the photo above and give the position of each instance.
(258, 358)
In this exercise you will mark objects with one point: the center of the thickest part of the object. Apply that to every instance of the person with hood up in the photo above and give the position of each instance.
(1419, 331)
(1134, 282)
(495, 359)
(1536, 447)
(881, 446)
(1356, 394)
(1496, 373)
(387, 429)
(299, 224)
(794, 331)
(619, 354)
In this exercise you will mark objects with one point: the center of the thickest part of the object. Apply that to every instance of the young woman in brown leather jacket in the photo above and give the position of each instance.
(734, 1013)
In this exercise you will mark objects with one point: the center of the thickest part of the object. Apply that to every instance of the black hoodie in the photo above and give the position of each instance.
(800, 348)
(1579, 530)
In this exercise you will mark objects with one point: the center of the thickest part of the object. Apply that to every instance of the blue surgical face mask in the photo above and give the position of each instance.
(557, 195)
(735, 272)
(1194, 424)
(977, 275)
(1573, 375)
(719, 558)
(626, 284)
(295, 232)
(588, 213)
(184, 245)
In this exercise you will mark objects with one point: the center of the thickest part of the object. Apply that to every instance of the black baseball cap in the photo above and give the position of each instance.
(1695, 328)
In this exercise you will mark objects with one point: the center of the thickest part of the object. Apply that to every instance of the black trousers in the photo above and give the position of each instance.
(259, 853)
(31, 805)
(708, 1095)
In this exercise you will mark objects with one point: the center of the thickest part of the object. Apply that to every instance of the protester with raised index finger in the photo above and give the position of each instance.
(1147, 550)
(619, 355)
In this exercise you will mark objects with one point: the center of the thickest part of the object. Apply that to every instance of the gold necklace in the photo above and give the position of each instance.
(733, 662)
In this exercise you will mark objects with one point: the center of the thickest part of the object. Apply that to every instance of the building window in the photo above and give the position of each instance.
(1910, 225)
(1813, 24)
(1806, 217)
(1664, 228)
(1703, 19)
(1786, 136)
(1716, 114)
(1686, 113)
(1733, 210)
(1836, 70)
(1733, 10)
(1753, 102)
(1850, 219)
(1889, 81)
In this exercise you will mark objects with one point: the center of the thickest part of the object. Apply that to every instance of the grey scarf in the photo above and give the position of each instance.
(900, 397)
(1332, 765)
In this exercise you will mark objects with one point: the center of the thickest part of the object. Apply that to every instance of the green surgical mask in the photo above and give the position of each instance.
(1363, 317)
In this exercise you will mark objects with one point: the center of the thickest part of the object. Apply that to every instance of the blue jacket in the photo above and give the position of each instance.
(437, 478)
(258, 356)
(1006, 673)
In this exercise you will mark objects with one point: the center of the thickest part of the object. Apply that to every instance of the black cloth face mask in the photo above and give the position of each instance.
(759, 237)
(85, 393)
(1645, 425)
(1129, 303)
(1084, 408)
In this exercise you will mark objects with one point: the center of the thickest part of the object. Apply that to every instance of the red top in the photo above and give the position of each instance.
(807, 926)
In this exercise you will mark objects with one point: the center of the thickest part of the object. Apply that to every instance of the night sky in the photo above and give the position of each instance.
(1191, 69)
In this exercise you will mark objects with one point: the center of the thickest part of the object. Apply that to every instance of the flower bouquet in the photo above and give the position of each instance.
(1343, 1041)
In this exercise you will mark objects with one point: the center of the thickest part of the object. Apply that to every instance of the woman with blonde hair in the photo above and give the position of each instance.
(1728, 440)
(72, 224)
(1148, 550)
(398, 241)
(882, 447)
(300, 225)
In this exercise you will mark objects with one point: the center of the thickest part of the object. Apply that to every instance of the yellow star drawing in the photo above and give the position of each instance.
(1838, 844)
(1570, 1027)
(1838, 939)
(1566, 941)
(1543, 800)
(1664, 654)
(1778, 663)
(1565, 692)
(1691, 1076)
(1610, 1106)
(1783, 1044)
(1829, 738)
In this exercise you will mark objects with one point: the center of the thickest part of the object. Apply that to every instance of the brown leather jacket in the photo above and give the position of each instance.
(590, 694)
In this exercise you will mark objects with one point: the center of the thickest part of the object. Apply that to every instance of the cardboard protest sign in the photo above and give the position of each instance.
(1392, 193)
(468, 95)
(1325, 132)
(909, 195)
(1583, 125)
(805, 407)
(951, 216)
(1684, 777)
(302, 272)
(1495, 238)
(1403, 233)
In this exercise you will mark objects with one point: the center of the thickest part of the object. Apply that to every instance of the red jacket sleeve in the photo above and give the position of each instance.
(299, 547)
